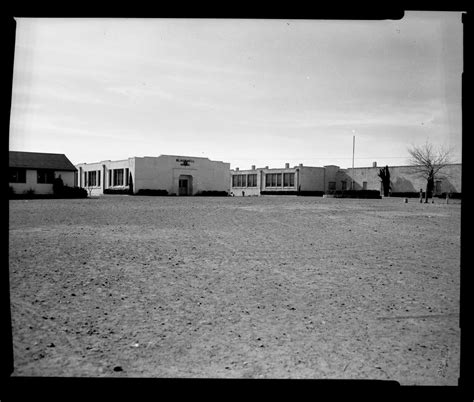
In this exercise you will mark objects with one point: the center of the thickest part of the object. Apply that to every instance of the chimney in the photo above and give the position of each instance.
(266, 167)
(236, 169)
(253, 167)
(301, 165)
(374, 164)
(287, 165)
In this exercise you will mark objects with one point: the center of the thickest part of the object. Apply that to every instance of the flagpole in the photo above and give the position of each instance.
(353, 151)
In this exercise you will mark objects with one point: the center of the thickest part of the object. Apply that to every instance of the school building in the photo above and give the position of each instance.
(176, 174)
(307, 179)
(36, 171)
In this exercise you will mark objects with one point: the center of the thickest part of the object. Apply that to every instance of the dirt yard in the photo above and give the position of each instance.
(254, 287)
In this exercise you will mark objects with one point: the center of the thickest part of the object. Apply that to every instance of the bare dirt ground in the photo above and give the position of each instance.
(255, 287)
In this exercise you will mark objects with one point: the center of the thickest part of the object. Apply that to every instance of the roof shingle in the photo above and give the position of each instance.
(38, 160)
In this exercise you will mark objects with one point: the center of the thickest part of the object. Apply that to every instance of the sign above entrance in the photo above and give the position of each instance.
(185, 162)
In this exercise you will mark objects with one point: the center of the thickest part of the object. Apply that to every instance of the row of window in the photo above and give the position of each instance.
(274, 179)
(244, 180)
(43, 176)
(271, 180)
(117, 177)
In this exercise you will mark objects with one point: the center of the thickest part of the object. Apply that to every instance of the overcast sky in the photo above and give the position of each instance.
(248, 92)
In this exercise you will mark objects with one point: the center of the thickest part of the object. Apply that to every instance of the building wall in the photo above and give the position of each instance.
(105, 168)
(41, 188)
(402, 178)
(312, 178)
(330, 173)
(245, 190)
(162, 173)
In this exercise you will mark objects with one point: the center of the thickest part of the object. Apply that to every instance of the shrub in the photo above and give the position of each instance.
(212, 194)
(147, 191)
(311, 193)
(58, 185)
(116, 191)
(407, 194)
(294, 192)
(366, 194)
(72, 192)
(286, 192)
(454, 196)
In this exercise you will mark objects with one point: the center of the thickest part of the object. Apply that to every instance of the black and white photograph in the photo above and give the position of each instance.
(237, 198)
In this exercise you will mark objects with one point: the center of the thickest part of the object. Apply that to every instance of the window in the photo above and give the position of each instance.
(239, 180)
(331, 185)
(234, 181)
(344, 185)
(17, 175)
(98, 177)
(252, 180)
(273, 180)
(126, 176)
(45, 176)
(364, 185)
(244, 180)
(118, 177)
(292, 179)
(268, 180)
(91, 178)
(111, 172)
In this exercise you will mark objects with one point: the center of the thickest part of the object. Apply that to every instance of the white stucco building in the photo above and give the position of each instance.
(297, 179)
(175, 174)
(35, 171)
(329, 178)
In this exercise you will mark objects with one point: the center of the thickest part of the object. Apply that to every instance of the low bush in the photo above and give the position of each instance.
(367, 194)
(116, 191)
(65, 192)
(311, 193)
(407, 194)
(212, 194)
(72, 192)
(294, 192)
(147, 191)
(454, 196)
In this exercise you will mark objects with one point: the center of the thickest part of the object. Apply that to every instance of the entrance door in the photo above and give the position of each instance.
(183, 186)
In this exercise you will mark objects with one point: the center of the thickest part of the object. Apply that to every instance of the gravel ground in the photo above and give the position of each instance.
(254, 287)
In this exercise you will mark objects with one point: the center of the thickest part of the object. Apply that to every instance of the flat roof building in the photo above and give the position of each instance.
(173, 174)
(320, 180)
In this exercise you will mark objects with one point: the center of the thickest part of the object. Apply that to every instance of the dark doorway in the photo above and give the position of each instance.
(185, 186)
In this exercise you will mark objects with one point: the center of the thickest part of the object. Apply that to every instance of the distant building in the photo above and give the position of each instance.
(404, 179)
(257, 181)
(180, 175)
(37, 171)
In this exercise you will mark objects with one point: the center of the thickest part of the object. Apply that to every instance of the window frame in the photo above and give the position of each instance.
(45, 176)
(18, 174)
(118, 174)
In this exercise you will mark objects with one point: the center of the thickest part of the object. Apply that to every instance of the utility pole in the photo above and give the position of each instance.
(353, 151)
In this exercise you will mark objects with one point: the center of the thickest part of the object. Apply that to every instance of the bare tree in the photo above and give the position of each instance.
(429, 163)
